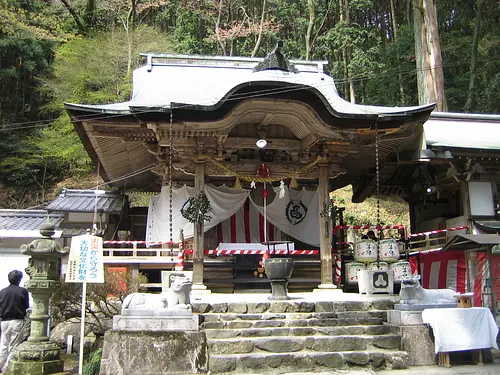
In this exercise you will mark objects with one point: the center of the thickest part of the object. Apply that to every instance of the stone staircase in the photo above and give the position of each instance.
(286, 336)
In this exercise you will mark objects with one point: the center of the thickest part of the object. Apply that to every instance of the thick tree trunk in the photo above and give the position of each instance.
(310, 27)
(473, 56)
(90, 13)
(393, 21)
(261, 29)
(430, 79)
(394, 28)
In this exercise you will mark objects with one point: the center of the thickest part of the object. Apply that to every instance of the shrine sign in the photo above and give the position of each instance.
(85, 262)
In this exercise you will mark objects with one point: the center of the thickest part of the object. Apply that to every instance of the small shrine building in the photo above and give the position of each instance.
(195, 122)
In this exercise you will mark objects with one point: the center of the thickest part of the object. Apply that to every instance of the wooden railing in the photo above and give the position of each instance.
(135, 251)
(431, 239)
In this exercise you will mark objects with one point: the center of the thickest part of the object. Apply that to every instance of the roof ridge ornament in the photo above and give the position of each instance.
(275, 60)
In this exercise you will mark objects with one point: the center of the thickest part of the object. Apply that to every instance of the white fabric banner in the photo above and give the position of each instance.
(225, 202)
(296, 214)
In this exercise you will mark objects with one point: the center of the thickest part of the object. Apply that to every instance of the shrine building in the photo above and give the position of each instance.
(265, 139)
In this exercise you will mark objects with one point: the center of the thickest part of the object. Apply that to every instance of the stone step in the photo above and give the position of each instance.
(305, 361)
(280, 344)
(215, 317)
(329, 322)
(290, 306)
(299, 331)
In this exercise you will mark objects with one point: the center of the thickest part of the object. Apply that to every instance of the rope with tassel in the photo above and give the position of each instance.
(249, 178)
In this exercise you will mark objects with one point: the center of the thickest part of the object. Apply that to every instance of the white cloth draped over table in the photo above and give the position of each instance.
(225, 202)
(461, 328)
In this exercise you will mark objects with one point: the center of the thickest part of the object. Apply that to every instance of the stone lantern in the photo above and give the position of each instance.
(37, 355)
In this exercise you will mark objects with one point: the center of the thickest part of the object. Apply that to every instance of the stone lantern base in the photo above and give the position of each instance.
(36, 358)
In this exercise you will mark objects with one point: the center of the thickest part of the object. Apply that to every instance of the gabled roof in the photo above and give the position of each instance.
(71, 200)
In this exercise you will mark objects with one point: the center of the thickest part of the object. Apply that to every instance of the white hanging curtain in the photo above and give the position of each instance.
(225, 202)
(296, 214)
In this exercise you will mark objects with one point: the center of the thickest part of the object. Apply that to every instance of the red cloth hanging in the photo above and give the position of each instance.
(263, 171)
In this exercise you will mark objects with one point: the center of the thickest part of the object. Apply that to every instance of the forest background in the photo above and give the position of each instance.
(84, 51)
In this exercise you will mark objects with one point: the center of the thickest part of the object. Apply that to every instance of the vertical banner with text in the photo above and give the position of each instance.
(85, 260)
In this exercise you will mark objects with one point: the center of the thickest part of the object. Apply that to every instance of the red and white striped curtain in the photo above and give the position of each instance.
(483, 282)
(245, 226)
(441, 269)
(447, 269)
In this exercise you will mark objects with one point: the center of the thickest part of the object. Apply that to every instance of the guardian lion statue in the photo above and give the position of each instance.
(175, 298)
(413, 293)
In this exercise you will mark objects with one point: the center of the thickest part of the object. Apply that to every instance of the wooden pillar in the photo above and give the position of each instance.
(465, 202)
(492, 282)
(199, 232)
(324, 229)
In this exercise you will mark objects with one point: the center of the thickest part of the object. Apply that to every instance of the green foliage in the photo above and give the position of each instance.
(93, 364)
(197, 209)
(393, 210)
(47, 58)
(28, 35)
(91, 71)
(103, 300)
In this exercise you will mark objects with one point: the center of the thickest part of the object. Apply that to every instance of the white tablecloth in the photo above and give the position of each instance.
(462, 328)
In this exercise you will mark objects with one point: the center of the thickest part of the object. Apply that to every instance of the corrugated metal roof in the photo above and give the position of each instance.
(71, 200)
(27, 219)
(463, 131)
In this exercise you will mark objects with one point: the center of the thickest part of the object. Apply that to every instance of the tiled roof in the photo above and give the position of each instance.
(71, 200)
(31, 220)
(27, 219)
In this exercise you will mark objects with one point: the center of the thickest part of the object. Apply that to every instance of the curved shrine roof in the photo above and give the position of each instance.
(226, 102)
(205, 83)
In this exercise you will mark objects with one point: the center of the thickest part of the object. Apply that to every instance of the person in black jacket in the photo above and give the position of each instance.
(14, 301)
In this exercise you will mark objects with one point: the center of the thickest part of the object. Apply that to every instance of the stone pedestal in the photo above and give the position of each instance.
(36, 358)
(159, 353)
(152, 323)
(417, 342)
(407, 314)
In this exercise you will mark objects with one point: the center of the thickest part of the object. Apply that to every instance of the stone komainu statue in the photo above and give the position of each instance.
(176, 298)
(413, 293)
